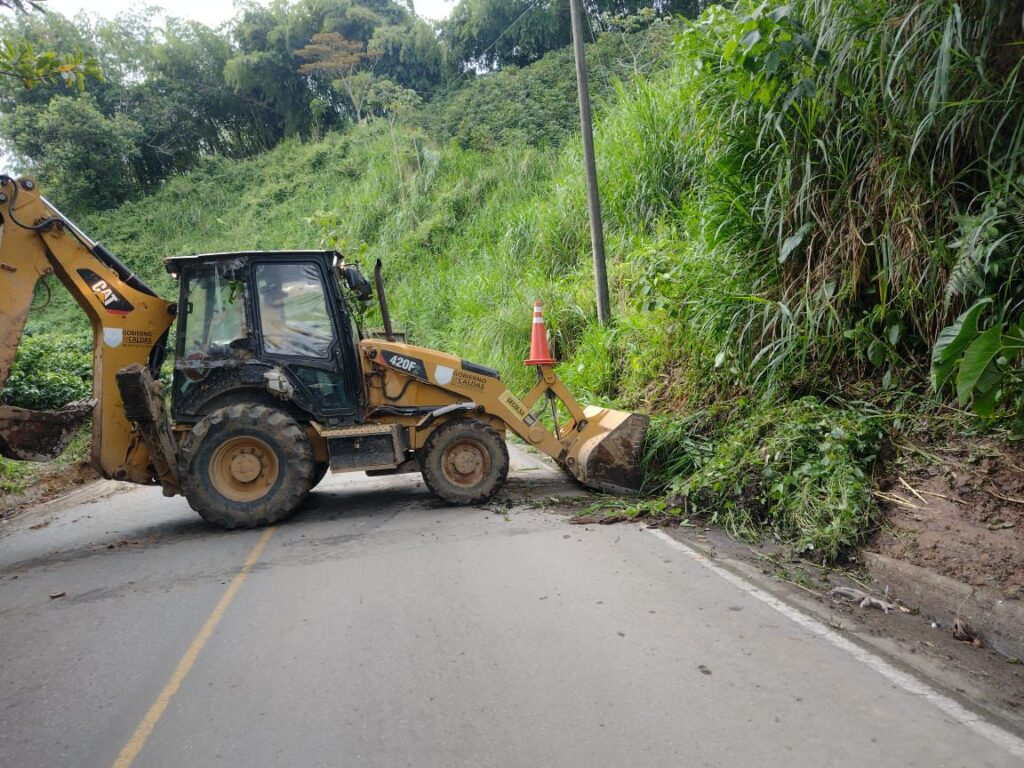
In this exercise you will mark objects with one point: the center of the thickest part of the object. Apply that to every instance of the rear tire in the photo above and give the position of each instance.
(465, 461)
(246, 465)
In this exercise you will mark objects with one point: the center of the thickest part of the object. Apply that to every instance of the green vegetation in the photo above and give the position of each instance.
(50, 370)
(537, 104)
(800, 202)
(795, 470)
(164, 95)
(21, 61)
(499, 33)
(13, 475)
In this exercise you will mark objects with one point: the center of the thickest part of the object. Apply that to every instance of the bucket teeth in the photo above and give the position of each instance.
(40, 435)
(610, 450)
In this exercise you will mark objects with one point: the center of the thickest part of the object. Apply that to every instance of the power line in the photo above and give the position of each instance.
(487, 50)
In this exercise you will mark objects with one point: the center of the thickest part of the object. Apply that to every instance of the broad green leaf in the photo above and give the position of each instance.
(876, 353)
(1013, 341)
(952, 341)
(792, 242)
(976, 360)
(986, 392)
(985, 406)
(752, 38)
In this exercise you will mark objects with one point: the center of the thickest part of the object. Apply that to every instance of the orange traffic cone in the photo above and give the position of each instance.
(539, 352)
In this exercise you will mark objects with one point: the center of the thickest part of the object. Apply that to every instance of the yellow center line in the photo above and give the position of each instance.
(138, 740)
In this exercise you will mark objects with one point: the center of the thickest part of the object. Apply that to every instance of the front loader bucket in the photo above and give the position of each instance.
(40, 435)
(607, 455)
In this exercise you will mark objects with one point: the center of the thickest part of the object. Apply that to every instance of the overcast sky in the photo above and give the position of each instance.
(210, 12)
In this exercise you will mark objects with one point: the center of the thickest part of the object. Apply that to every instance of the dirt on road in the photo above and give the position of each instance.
(51, 480)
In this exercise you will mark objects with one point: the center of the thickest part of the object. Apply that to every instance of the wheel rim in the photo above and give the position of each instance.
(466, 463)
(243, 468)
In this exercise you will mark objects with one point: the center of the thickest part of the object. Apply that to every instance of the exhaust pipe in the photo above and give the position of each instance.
(382, 299)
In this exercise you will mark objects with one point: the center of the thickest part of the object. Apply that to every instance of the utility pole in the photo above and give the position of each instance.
(604, 311)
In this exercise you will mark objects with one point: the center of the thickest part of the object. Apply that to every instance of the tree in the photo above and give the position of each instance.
(19, 59)
(410, 55)
(79, 152)
(346, 62)
(493, 33)
(498, 33)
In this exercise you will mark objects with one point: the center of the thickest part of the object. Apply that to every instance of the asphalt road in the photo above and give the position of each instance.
(380, 628)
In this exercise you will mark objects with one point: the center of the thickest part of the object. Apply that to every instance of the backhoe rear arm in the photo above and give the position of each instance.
(129, 321)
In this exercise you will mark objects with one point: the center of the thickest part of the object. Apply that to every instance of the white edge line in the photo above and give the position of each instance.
(907, 682)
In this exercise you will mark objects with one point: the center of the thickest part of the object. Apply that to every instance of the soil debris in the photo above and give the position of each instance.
(51, 481)
(955, 505)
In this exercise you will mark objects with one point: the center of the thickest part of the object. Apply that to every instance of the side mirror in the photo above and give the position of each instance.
(357, 282)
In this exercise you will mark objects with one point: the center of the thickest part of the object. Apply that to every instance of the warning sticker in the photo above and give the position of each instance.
(510, 402)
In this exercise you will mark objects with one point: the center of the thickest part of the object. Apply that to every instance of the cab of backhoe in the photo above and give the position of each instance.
(268, 327)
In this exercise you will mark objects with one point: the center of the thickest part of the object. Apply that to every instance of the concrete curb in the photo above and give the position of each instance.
(999, 622)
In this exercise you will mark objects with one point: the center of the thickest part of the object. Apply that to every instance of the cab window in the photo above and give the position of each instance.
(293, 310)
(215, 314)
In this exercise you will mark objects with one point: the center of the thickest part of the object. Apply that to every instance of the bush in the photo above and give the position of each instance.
(50, 370)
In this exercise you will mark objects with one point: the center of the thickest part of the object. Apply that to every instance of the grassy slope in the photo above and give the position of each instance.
(760, 296)
(439, 230)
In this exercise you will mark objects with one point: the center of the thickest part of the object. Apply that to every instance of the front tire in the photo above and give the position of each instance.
(465, 461)
(246, 465)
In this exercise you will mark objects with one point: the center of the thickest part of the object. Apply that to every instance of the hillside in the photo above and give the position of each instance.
(789, 233)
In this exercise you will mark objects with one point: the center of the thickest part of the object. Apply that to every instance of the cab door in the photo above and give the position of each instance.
(300, 326)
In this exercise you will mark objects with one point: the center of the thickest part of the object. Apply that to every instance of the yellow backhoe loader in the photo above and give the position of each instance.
(273, 382)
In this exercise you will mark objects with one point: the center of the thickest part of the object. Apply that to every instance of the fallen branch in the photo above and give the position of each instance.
(1000, 496)
(896, 499)
(865, 600)
(910, 488)
(954, 499)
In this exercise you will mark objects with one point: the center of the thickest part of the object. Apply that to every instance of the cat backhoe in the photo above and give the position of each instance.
(273, 382)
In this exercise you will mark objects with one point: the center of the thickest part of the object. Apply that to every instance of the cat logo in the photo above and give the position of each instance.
(111, 300)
